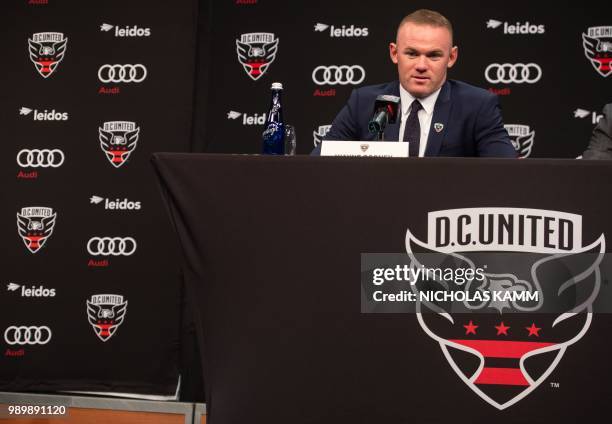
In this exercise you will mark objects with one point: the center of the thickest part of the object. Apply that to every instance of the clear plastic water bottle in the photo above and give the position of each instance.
(274, 129)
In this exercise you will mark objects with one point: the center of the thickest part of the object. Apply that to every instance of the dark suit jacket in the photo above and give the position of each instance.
(600, 145)
(471, 119)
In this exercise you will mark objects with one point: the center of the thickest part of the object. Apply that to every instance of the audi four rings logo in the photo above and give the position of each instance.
(517, 73)
(111, 246)
(23, 335)
(122, 73)
(43, 158)
(338, 75)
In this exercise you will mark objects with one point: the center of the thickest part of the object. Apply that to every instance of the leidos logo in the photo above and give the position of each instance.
(47, 49)
(106, 313)
(517, 28)
(33, 291)
(320, 133)
(35, 225)
(597, 43)
(344, 31)
(126, 31)
(521, 137)
(581, 113)
(118, 140)
(117, 204)
(46, 115)
(256, 119)
(516, 347)
(256, 51)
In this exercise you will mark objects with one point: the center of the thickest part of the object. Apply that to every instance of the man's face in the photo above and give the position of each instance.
(422, 53)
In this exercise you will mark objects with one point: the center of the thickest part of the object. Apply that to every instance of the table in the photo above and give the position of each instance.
(272, 248)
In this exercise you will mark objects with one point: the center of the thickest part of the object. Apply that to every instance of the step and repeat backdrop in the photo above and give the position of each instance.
(90, 294)
(550, 66)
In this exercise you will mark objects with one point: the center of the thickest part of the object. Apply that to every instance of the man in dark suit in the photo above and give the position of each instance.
(438, 117)
(600, 145)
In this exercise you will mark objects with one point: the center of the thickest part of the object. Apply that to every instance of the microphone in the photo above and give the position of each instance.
(385, 112)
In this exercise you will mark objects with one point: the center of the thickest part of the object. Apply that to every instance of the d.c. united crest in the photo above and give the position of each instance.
(503, 347)
(35, 225)
(106, 313)
(256, 51)
(47, 49)
(521, 137)
(597, 43)
(118, 140)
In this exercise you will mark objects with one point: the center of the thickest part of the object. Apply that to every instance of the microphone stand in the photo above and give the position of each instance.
(379, 123)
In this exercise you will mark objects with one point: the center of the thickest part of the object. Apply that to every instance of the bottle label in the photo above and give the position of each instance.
(274, 132)
(274, 139)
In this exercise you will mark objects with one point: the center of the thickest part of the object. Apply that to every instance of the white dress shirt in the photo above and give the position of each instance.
(425, 115)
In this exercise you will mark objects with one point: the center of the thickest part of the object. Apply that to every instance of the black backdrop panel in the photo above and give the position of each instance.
(276, 272)
(558, 103)
(111, 234)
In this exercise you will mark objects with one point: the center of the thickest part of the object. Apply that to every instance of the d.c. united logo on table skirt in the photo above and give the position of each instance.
(504, 348)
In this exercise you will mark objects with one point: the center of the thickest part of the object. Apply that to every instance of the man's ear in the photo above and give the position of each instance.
(393, 52)
(454, 53)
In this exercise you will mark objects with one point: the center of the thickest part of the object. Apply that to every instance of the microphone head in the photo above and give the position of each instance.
(374, 127)
(389, 103)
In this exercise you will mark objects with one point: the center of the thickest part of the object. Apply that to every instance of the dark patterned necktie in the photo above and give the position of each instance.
(412, 130)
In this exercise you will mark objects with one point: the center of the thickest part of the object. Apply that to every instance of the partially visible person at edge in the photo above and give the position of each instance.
(600, 145)
(449, 118)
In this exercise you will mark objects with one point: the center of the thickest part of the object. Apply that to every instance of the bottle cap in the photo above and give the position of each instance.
(277, 86)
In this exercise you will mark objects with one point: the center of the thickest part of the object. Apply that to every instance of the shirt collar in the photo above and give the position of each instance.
(428, 102)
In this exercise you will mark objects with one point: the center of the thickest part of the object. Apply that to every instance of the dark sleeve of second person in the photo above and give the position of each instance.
(600, 145)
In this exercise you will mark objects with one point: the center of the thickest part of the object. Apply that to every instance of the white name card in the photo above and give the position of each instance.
(386, 149)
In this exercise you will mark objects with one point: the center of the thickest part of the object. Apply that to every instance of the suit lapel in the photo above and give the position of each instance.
(439, 121)
(392, 130)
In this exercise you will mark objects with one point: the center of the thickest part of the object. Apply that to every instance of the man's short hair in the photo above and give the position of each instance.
(427, 17)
